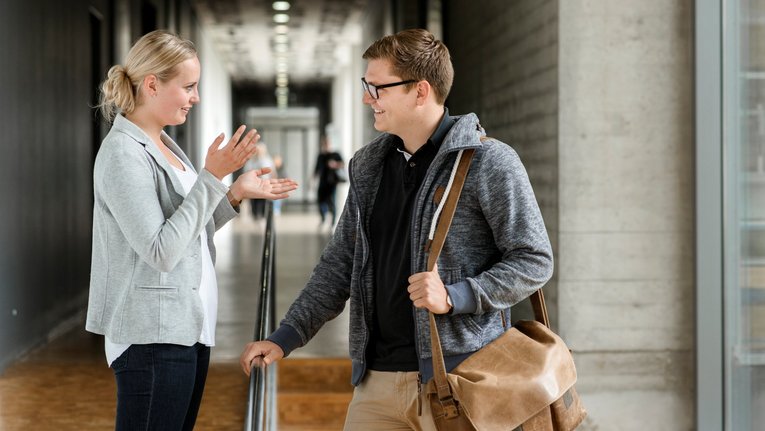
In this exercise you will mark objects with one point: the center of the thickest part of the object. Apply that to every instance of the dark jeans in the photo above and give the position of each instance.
(258, 207)
(326, 198)
(159, 386)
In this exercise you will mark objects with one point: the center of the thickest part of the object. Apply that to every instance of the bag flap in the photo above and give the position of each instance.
(512, 378)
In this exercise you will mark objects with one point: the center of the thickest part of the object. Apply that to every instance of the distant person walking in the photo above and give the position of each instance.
(153, 292)
(328, 163)
(261, 160)
(279, 172)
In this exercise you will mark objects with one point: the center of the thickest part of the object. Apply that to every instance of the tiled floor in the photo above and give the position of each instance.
(66, 385)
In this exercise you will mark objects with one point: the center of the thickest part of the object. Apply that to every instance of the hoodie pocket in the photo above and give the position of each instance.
(453, 276)
(450, 275)
(158, 288)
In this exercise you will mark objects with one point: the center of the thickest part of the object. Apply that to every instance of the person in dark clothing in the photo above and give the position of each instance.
(261, 160)
(328, 163)
(496, 254)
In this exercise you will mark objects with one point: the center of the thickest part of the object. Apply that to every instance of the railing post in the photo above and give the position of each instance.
(261, 395)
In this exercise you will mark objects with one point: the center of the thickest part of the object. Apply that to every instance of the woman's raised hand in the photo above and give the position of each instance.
(249, 185)
(223, 161)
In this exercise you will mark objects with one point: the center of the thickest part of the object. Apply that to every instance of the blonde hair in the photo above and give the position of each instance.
(156, 53)
(416, 54)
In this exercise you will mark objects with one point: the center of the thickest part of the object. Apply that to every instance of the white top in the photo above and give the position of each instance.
(208, 287)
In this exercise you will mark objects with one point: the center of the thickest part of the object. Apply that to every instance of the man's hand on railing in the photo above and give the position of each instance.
(259, 353)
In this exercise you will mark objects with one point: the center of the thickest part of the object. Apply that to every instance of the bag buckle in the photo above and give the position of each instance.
(450, 407)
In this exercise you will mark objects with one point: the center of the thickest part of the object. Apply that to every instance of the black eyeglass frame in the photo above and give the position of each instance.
(368, 87)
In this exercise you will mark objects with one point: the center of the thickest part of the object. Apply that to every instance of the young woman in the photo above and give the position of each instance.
(153, 292)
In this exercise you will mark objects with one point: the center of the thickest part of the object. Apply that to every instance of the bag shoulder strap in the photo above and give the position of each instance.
(449, 201)
(444, 221)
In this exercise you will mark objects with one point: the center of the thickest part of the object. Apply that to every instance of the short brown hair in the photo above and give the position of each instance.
(416, 54)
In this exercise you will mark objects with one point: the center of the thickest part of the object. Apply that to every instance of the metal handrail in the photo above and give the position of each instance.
(261, 396)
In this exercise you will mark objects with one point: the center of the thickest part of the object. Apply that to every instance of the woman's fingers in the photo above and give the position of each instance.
(282, 190)
(286, 184)
(235, 138)
(216, 144)
(247, 142)
(247, 146)
(252, 137)
(223, 161)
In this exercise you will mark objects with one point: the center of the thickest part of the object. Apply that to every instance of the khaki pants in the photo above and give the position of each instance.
(387, 401)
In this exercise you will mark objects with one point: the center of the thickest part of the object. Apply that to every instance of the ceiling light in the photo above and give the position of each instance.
(281, 38)
(281, 18)
(281, 47)
(281, 5)
(281, 29)
(282, 82)
(282, 67)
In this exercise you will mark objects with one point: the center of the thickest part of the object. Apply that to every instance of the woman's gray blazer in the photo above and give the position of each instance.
(146, 264)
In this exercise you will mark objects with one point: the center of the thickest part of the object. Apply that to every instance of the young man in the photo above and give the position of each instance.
(496, 253)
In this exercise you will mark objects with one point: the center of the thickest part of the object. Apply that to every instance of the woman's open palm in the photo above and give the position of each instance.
(251, 186)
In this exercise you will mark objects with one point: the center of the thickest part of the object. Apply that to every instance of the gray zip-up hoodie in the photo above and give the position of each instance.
(496, 253)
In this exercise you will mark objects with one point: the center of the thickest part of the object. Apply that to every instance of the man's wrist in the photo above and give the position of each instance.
(449, 303)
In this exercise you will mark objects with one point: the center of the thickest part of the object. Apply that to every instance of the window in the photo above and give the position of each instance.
(743, 88)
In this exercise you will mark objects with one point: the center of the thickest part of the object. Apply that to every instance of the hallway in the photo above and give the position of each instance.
(640, 125)
(66, 384)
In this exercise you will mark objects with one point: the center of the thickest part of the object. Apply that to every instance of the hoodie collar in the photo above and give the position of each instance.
(465, 133)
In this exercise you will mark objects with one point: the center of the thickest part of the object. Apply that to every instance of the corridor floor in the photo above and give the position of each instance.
(66, 384)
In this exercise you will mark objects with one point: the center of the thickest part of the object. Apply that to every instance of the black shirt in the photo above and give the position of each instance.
(392, 343)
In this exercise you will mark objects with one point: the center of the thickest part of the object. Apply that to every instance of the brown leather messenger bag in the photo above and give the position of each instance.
(523, 380)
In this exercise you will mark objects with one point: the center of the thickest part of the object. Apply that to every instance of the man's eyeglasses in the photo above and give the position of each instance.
(372, 89)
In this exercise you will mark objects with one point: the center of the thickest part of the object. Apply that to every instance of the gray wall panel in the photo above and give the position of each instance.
(505, 57)
(47, 147)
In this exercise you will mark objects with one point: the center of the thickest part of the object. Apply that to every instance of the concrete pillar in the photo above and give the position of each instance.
(626, 224)
(122, 34)
(596, 98)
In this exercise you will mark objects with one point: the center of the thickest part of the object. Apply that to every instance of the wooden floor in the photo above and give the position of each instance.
(66, 384)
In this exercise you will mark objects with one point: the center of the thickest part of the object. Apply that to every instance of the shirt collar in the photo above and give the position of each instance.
(447, 121)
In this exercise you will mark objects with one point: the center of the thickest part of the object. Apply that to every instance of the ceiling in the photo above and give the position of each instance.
(255, 48)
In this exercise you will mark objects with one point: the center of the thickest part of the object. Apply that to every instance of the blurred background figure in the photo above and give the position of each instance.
(262, 159)
(278, 172)
(330, 170)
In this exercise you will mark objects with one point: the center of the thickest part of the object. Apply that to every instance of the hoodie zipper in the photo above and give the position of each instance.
(364, 259)
(414, 250)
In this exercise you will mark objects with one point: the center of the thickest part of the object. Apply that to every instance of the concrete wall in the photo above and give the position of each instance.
(596, 97)
(505, 59)
(626, 209)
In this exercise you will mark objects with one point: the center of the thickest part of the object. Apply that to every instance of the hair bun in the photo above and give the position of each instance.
(118, 71)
